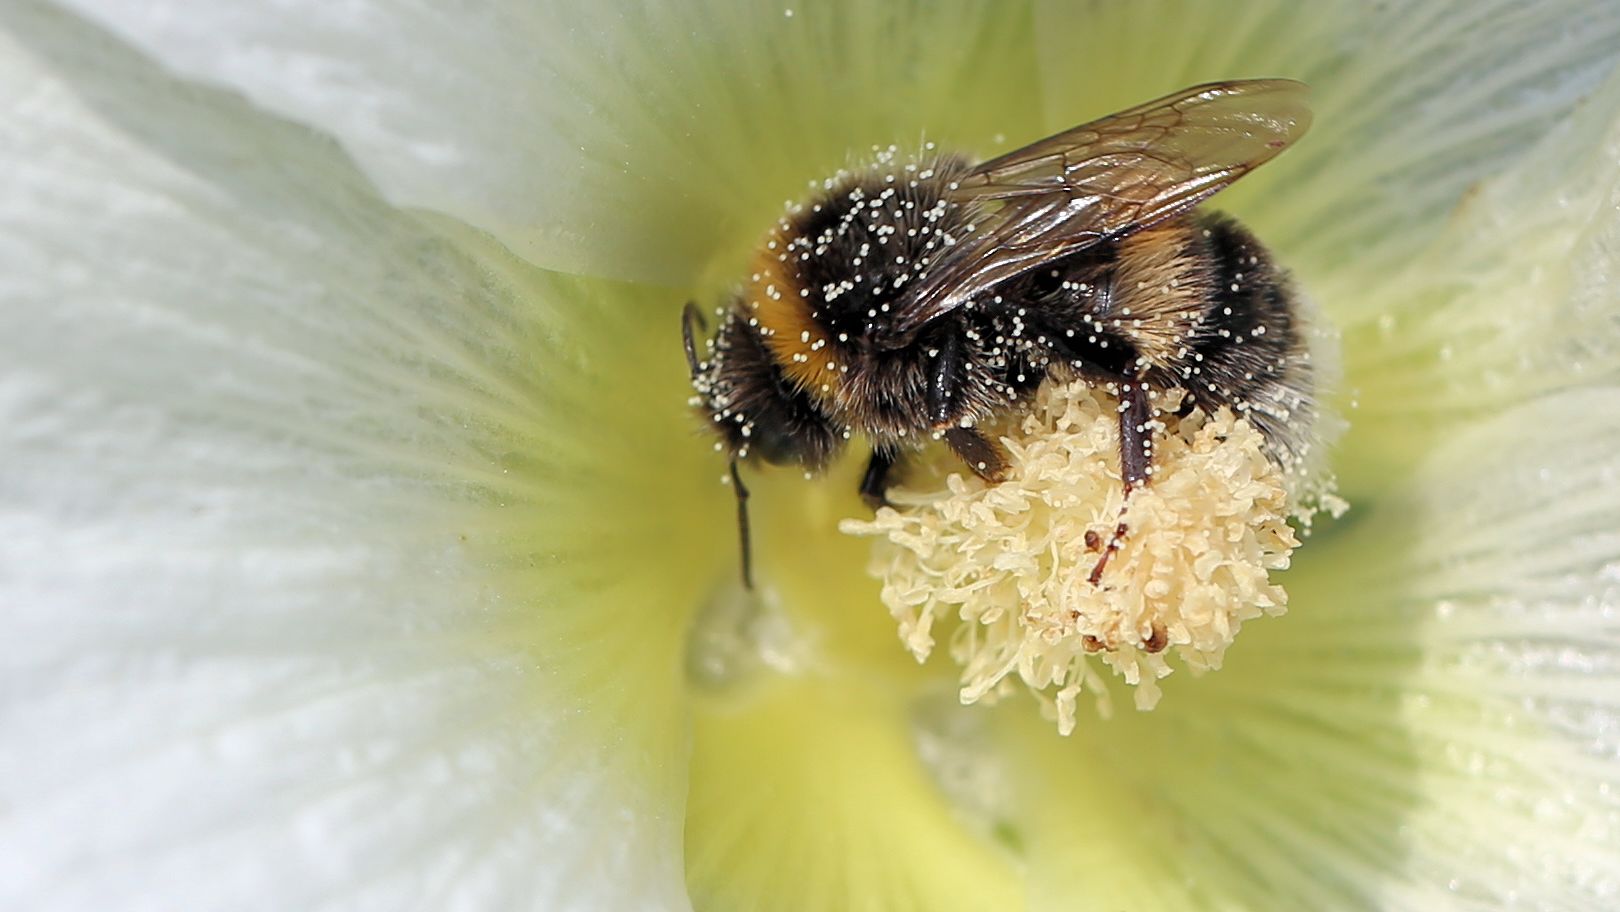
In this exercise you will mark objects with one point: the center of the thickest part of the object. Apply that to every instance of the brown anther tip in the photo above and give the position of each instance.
(1092, 644)
(1093, 541)
(1157, 639)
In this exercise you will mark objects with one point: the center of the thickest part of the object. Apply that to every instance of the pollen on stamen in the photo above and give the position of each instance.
(1003, 570)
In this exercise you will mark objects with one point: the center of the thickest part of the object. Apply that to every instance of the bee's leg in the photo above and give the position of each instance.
(982, 455)
(1135, 457)
(742, 526)
(1135, 437)
(874, 482)
(944, 381)
(985, 457)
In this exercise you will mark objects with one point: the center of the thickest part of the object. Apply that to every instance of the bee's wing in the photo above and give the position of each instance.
(1101, 181)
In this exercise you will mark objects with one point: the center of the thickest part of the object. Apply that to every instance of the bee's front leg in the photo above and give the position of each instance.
(874, 483)
(981, 454)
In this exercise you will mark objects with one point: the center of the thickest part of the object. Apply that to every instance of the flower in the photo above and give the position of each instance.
(360, 554)
(1002, 558)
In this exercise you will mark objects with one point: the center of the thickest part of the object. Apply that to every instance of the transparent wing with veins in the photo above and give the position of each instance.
(1100, 181)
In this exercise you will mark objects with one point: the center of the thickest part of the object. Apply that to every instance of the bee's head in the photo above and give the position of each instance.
(750, 403)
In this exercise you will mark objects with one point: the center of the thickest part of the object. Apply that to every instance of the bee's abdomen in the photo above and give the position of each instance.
(1248, 350)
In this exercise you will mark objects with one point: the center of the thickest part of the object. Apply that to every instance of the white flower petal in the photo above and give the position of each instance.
(1514, 299)
(314, 529)
(590, 137)
(1514, 708)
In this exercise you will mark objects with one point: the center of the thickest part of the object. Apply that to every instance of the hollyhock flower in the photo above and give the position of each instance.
(360, 550)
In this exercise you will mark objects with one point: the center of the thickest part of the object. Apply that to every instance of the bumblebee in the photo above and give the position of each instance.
(914, 301)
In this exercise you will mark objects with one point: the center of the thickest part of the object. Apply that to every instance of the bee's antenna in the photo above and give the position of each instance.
(742, 526)
(689, 316)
